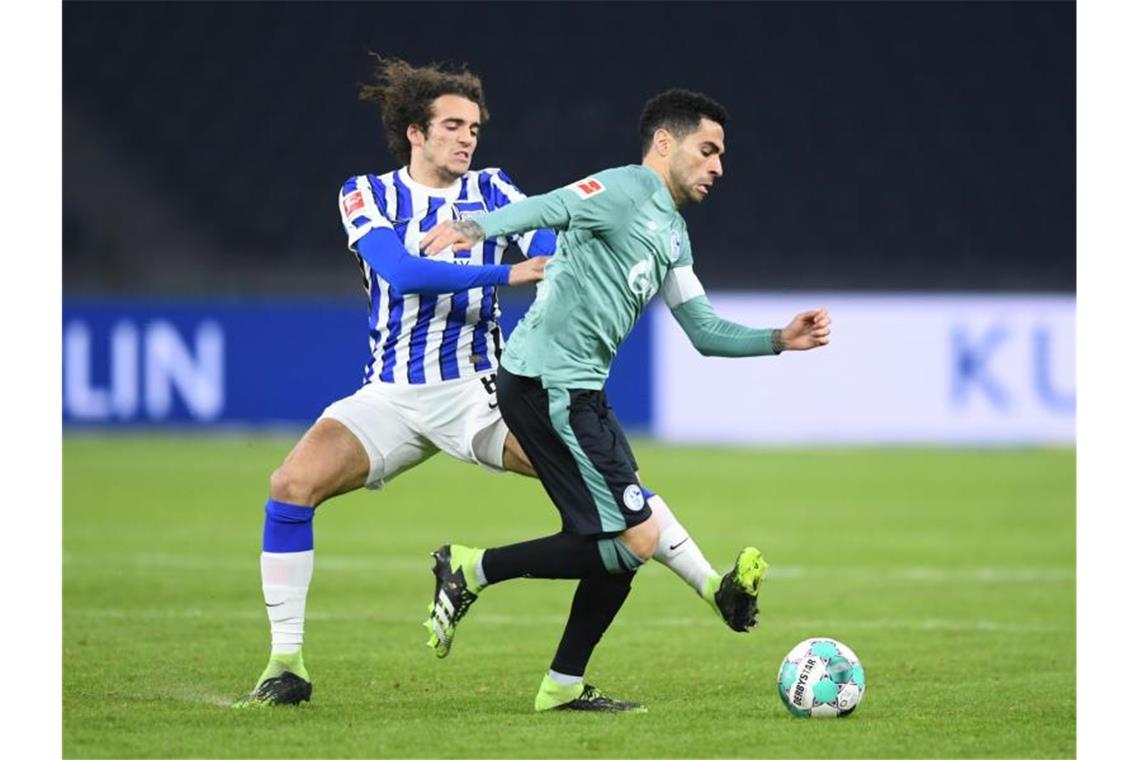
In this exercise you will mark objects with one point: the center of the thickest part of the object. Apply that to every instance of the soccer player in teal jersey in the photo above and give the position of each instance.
(622, 239)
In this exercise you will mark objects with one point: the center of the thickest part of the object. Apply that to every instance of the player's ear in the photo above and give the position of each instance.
(662, 142)
(415, 135)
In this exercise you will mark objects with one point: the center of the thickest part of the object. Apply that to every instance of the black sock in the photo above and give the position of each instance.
(596, 603)
(563, 555)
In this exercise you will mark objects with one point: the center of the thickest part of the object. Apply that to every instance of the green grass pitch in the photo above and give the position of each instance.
(950, 573)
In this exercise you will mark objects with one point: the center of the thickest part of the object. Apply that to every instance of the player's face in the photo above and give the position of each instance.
(696, 164)
(452, 134)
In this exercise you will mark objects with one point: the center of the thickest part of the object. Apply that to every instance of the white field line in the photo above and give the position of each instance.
(917, 574)
(195, 696)
(706, 620)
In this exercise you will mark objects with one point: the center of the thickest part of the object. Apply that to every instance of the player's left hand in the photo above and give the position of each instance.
(807, 330)
(459, 236)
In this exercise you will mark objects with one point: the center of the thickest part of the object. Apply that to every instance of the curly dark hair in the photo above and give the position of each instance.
(678, 111)
(405, 94)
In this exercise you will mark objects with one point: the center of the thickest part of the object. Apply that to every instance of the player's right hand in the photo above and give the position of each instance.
(459, 236)
(807, 330)
(531, 270)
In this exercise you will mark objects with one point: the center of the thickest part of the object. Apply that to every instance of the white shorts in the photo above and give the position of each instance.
(403, 425)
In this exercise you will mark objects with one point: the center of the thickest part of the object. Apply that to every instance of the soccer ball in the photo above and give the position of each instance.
(821, 678)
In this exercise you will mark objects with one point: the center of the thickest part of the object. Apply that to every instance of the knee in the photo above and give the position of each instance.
(642, 539)
(286, 485)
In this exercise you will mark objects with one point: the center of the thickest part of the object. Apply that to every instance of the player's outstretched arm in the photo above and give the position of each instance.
(714, 336)
(548, 210)
(411, 274)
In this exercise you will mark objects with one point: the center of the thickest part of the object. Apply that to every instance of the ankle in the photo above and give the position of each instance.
(708, 590)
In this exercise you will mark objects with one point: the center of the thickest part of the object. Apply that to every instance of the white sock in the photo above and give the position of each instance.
(285, 581)
(677, 550)
(480, 576)
(564, 679)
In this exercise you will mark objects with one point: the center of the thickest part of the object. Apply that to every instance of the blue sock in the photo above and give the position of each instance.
(288, 527)
(647, 493)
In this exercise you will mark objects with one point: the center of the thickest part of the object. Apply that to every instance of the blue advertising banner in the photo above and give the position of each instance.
(190, 363)
(967, 370)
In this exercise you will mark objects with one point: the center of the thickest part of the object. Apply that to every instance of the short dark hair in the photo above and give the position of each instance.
(405, 94)
(680, 112)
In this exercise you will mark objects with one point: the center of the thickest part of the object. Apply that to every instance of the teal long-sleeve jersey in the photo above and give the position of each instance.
(621, 240)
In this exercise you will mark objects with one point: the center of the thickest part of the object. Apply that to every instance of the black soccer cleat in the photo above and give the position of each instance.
(285, 689)
(593, 700)
(736, 596)
(454, 595)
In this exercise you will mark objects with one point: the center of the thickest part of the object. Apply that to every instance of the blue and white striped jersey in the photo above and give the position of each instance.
(418, 339)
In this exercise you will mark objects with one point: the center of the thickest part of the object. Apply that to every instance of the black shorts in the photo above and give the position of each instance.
(577, 447)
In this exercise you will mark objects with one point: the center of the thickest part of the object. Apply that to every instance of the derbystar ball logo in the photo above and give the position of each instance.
(352, 203)
(587, 187)
(800, 696)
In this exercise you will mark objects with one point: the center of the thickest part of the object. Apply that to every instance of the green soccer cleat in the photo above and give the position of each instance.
(735, 598)
(284, 682)
(579, 697)
(455, 592)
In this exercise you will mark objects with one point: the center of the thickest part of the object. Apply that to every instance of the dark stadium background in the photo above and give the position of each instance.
(886, 146)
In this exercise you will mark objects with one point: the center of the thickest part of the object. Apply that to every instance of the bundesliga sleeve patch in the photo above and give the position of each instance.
(587, 187)
(352, 203)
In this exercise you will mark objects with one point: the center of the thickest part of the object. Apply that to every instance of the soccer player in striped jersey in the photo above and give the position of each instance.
(435, 340)
(433, 332)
